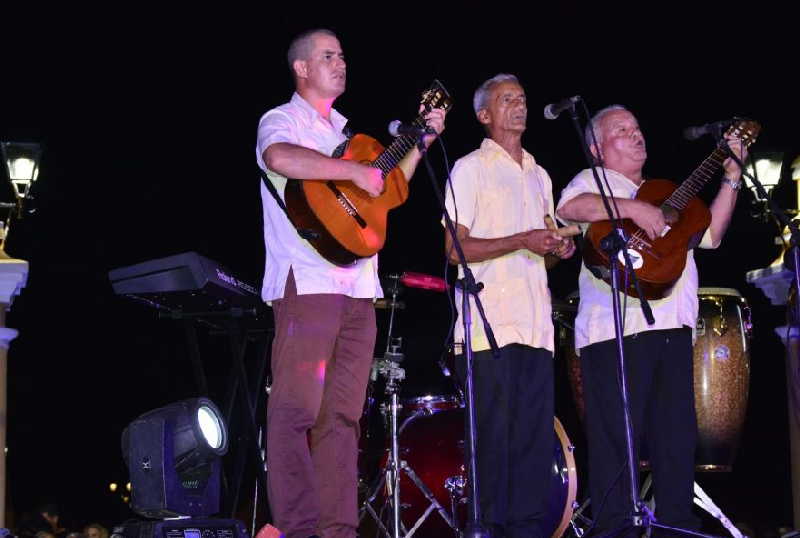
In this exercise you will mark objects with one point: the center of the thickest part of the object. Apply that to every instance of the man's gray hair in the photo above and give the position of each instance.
(594, 124)
(300, 47)
(481, 98)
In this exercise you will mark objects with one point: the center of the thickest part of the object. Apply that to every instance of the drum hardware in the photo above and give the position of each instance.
(390, 475)
(389, 368)
(433, 444)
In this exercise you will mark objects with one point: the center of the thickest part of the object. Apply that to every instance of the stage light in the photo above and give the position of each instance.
(173, 456)
(112, 487)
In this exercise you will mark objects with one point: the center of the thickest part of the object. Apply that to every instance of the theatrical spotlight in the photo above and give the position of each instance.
(173, 456)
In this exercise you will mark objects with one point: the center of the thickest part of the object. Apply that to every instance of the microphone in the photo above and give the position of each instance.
(553, 110)
(398, 128)
(693, 133)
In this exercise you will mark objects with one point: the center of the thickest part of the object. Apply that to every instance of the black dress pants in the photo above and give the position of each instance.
(660, 383)
(514, 415)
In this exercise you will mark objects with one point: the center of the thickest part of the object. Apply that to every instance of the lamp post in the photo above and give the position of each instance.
(768, 168)
(22, 168)
(775, 281)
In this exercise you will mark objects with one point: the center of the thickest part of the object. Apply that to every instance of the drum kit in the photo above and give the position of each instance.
(412, 476)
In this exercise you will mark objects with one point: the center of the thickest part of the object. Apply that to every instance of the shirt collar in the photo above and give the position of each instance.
(337, 120)
(495, 150)
(622, 176)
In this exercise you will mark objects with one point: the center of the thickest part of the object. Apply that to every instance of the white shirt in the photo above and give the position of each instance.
(495, 197)
(297, 122)
(595, 319)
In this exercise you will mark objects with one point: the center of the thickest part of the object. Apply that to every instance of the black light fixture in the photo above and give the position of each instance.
(768, 169)
(22, 161)
(173, 456)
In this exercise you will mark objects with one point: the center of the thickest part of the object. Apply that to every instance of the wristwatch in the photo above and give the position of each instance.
(735, 185)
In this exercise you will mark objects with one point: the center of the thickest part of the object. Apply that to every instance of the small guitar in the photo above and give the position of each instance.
(659, 263)
(343, 223)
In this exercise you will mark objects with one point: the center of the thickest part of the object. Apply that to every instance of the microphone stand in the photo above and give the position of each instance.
(474, 527)
(614, 245)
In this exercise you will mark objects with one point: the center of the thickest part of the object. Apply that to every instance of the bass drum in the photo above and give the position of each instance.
(433, 448)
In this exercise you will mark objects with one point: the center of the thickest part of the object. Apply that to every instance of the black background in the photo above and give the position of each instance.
(148, 116)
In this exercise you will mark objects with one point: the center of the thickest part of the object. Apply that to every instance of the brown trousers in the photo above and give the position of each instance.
(321, 358)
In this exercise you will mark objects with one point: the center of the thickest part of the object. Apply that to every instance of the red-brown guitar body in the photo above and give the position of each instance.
(664, 258)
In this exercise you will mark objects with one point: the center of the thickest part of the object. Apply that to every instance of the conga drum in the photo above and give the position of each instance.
(721, 375)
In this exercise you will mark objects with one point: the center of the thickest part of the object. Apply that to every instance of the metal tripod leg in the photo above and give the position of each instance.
(431, 499)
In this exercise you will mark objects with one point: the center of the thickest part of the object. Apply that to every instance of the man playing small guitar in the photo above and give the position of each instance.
(658, 357)
(324, 318)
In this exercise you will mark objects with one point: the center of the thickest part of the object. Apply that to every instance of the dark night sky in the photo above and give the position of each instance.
(149, 121)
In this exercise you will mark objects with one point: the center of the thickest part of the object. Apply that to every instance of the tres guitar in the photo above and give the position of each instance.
(659, 263)
(344, 222)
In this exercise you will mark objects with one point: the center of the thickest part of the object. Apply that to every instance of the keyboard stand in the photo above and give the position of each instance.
(244, 327)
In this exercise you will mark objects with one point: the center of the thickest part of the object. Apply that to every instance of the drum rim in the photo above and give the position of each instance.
(431, 399)
(730, 292)
(572, 476)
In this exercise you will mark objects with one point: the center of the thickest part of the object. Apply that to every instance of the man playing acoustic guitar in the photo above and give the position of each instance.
(324, 317)
(659, 356)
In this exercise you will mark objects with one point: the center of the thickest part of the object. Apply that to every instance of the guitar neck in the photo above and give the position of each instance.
(398, 149)
(697, 180)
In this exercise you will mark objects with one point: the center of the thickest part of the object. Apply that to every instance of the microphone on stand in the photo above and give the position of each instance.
(398, 128)
(713, 128)
(553, 110)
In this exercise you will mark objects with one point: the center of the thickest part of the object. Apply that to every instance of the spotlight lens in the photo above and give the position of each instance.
(210, 426)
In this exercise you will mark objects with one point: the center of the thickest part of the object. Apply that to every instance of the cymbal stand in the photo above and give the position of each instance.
(389, 368)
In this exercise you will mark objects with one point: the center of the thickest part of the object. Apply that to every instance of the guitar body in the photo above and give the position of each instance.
(660, 261)
(347, 222)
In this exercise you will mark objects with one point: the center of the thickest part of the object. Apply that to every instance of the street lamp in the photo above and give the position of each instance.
(768, 168)
(21, 161)
(22, 167)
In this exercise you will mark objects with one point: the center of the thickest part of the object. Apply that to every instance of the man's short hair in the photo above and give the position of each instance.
(300, 47)
(481, 98)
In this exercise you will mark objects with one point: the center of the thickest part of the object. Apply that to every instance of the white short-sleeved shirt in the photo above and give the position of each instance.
(495, 197)
(594, 322)
(297, 122)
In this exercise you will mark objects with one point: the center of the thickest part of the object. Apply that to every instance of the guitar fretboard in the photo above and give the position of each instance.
(702, 174)
(398, 149)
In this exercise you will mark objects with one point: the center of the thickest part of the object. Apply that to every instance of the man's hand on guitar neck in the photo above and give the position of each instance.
(732, 169)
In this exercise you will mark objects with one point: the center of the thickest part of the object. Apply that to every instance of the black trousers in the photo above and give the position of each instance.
(514, 416)
(660, 383)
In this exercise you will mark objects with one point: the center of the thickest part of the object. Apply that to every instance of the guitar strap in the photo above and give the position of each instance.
(305, 233)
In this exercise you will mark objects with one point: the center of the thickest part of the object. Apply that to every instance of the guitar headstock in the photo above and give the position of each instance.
(436, 96)
(744, 129)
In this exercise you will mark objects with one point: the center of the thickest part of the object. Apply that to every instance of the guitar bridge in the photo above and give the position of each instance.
(638, 243)
(348, 206)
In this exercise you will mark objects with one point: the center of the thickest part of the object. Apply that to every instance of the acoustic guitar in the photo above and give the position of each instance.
(340, 220)
(659, 263)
